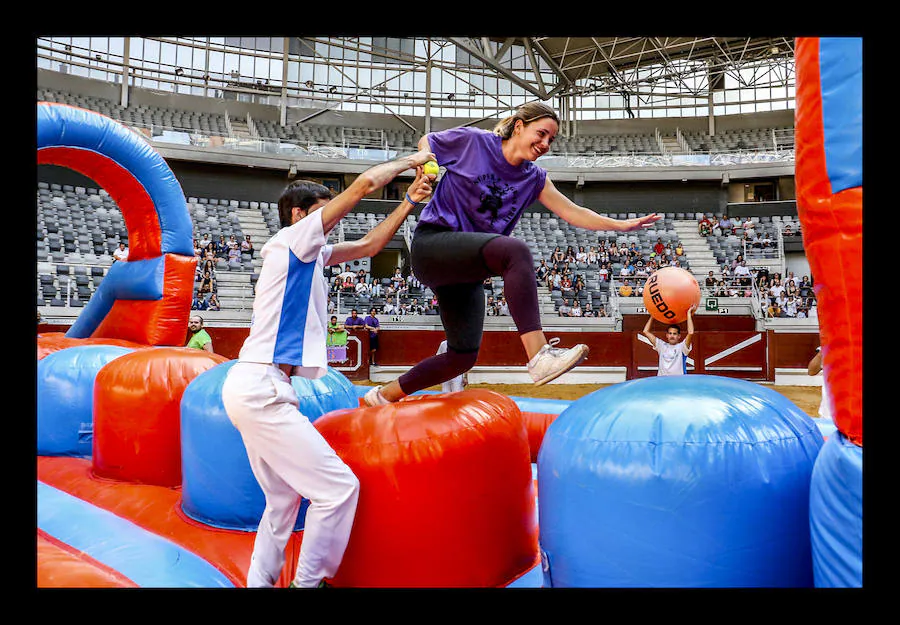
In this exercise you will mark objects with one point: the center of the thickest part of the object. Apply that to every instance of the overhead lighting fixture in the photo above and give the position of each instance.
(179, 71)
(332, 89)
(310, 84)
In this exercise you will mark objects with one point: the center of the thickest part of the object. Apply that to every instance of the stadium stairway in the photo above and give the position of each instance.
(252, 223)
(696, 250)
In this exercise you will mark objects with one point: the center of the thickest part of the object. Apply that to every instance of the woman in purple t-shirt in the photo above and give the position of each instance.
(463, 237)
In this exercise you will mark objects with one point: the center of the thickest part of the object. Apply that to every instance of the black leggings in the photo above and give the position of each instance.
(455, 265)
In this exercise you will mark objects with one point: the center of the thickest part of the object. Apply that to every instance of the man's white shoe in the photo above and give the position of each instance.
(374, 397)
(551, 362)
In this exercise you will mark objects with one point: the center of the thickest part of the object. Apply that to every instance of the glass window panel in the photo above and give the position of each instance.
(167, 54)
(246, 66)
(276, 69)
(216, 62)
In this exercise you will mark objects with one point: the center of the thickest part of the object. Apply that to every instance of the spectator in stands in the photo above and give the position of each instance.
(762, 282)
(213, 302)
(776, 290)
(601, 311)
(198, 251)
(199, 338)
(603, 254)
(589, 310)
(121, 253)
(233, 243)
(554, 280)
(788, 231)
(389, 308)
(413, 282)
(791, 278)
(204, 241)
(790, 306)
(361, 287)
(564, 308)
(576, 309)
(791, 288)
(247, 245)
(627, 269)
(658, 247)
(348, 285)
(805, 289)
(742, 275)
(722, 289)
(540, 273)
(626, 289)
(710, 281)
(603, 272)
(748, 226)
(336, 284)
(207, 284)
(570, 254)
(726, 225)
(198, 302)
(704, 226)
(615, 255)
(775, 309)
(641, 273)
(679, 249)
(592, 256)
(566, 285)
(557, 257)
(578, 286)
(209, 252)
(502, 307)
(490, 307)
(376, 289)
(581, 256)
(221, 247)
(234, 254)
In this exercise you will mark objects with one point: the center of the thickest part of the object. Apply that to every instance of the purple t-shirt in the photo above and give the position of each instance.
(479, 191)
(373, 322)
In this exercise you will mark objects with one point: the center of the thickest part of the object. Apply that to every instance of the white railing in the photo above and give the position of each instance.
(682, 142)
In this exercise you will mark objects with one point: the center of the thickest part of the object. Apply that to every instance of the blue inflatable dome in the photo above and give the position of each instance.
(683, 481)
(218, 486)
(65, 398)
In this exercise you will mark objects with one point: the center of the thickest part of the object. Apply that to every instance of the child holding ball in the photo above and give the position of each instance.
(674, 350)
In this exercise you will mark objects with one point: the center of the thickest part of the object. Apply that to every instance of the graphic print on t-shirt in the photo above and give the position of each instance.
(493, 191)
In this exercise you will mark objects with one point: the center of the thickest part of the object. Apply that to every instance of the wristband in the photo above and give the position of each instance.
(409, 199)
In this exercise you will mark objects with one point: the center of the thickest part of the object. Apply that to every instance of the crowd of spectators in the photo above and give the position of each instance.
(560, 273)
(401, 295)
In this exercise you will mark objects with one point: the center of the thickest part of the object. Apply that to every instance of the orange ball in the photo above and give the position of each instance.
(669, 293)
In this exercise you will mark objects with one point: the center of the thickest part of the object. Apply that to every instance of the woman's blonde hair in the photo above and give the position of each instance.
(527, 113)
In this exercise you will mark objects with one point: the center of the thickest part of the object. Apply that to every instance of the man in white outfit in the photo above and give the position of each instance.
(452, 385)
(288, 455)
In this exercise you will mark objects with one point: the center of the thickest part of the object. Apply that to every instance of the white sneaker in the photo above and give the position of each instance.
(551, 362)
(374, 397)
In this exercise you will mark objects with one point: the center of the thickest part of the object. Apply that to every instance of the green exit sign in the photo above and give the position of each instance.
(712, 303)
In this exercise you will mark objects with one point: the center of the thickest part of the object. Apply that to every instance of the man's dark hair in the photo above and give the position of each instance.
(676, 326)
(302, 193)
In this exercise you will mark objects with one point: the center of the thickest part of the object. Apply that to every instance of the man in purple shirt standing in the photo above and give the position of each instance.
(463, 237)
(354, 319)
(372, 325)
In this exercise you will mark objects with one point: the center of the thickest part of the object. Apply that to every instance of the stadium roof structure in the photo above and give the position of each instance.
(630, 64)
